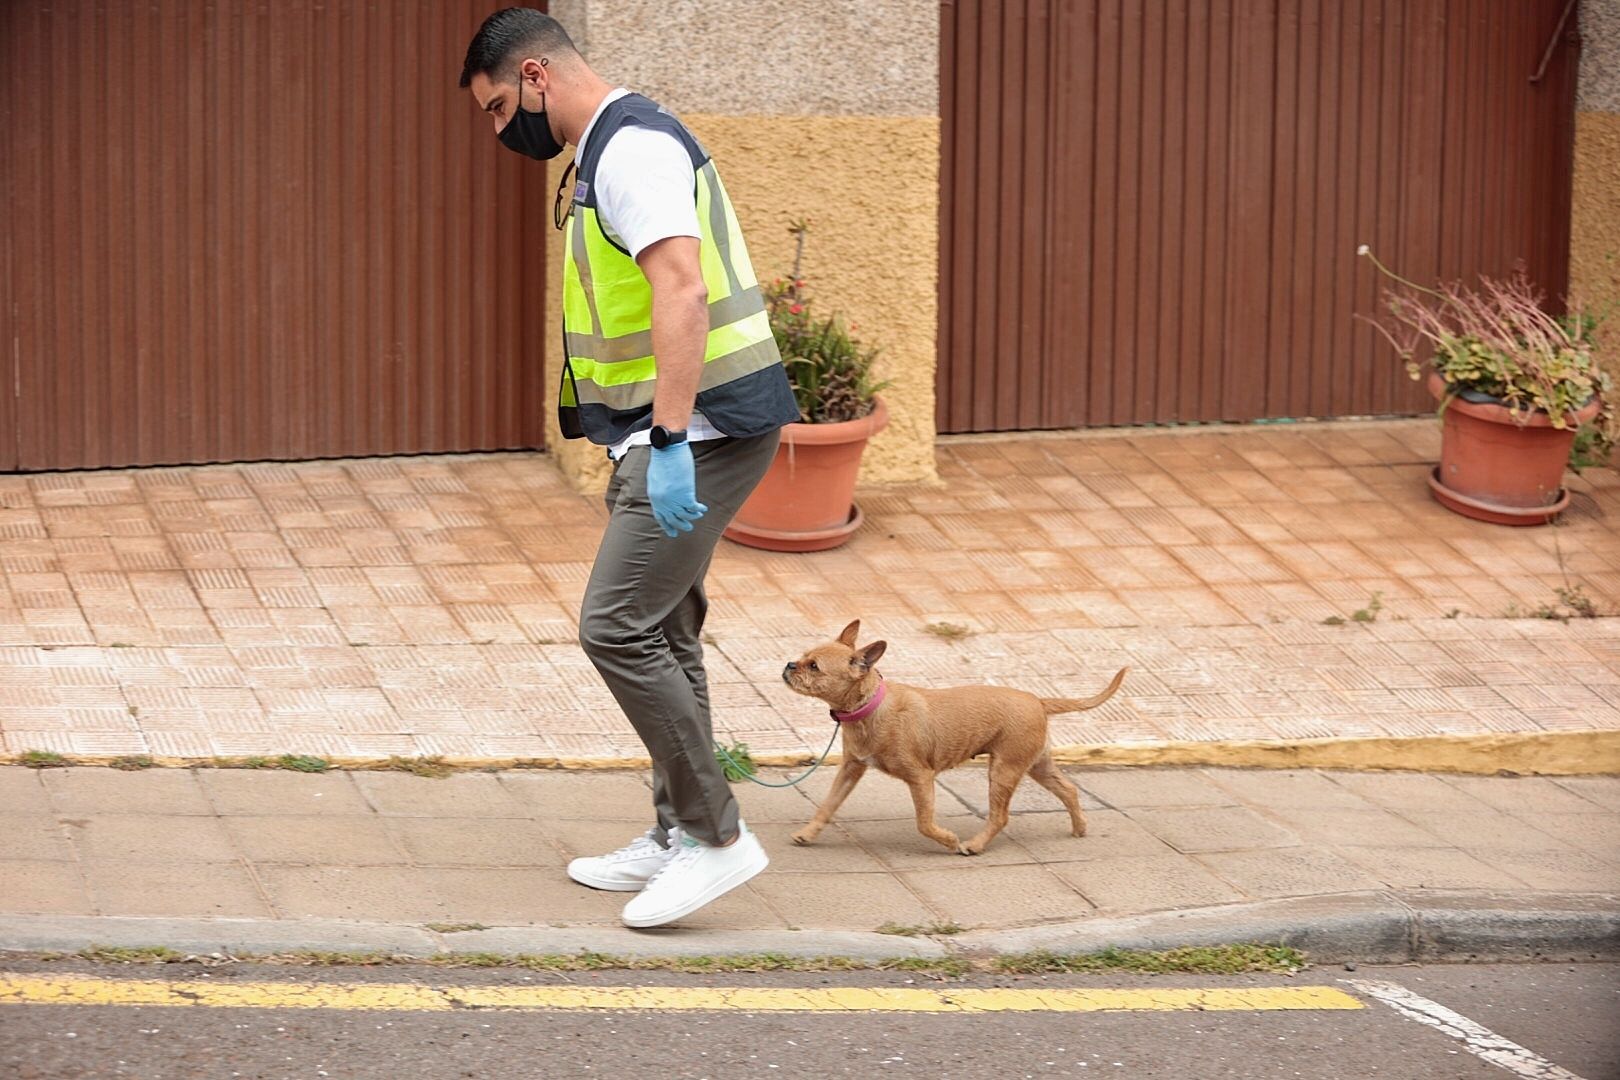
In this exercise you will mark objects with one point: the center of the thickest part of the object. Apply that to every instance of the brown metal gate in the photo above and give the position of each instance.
(244, 231)
(1150, 212)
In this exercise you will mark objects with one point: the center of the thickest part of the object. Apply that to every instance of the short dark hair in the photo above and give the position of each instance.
(506, 33)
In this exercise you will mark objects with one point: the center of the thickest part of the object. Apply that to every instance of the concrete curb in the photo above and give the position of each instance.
(1369, 927)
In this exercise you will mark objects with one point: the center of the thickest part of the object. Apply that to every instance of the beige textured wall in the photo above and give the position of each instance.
(827, 111)
(1594, 254)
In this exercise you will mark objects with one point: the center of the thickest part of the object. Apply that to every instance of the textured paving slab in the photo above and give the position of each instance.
(426, 605)
(364, 847)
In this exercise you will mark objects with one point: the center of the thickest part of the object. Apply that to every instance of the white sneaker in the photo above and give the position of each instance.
(694, 876)
(627, 869)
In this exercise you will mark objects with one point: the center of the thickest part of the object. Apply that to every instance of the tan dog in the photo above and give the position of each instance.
(914, 734)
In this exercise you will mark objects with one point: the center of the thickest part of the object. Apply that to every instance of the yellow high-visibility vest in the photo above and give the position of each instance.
(610, 370)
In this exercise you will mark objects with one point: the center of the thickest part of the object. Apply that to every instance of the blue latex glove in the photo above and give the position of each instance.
(672, 487)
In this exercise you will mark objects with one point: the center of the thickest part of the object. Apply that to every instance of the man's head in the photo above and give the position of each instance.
(520, 47)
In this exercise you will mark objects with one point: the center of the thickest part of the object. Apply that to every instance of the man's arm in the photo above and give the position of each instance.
(680, 326)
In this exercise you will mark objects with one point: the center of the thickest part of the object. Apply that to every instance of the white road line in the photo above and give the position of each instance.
(1480, 1041)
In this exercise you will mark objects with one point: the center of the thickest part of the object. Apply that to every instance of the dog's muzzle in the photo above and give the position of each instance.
(787, 672)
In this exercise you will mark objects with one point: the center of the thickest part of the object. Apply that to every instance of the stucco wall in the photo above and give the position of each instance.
(1594, 253)
(826, 111)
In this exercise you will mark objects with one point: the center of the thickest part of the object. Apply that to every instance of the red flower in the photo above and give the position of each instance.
(797, 309)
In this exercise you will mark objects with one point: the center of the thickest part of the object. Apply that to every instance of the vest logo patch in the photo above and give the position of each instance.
(579, 191)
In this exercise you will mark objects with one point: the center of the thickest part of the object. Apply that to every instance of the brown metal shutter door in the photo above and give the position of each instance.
(1150, 212)
(241, 232)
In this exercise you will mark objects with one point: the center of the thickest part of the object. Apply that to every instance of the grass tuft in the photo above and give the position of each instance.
(116, 954)
(454, 927)
(938, 929)
(433, 766)
(131, 762)
(1195, 959)
(947, 631)
(43, 759)
(303, 763)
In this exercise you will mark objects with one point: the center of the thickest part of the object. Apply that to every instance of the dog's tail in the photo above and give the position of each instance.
(1053, 706)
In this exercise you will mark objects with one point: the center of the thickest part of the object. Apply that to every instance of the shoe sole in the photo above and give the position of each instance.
(605, 885)
(714, 892)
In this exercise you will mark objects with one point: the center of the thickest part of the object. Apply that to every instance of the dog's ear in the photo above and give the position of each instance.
(871, 654)
(850, 631)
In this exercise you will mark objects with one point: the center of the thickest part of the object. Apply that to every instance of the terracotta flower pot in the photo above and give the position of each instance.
(807, 500)
(1496, 468)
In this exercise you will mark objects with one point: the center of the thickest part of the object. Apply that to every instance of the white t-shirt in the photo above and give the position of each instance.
(644, 184)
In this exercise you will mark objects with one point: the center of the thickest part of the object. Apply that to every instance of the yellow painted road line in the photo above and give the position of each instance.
(96, 990)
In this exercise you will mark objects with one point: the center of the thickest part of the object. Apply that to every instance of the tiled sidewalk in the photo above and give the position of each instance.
(490, 847)
(425, 605)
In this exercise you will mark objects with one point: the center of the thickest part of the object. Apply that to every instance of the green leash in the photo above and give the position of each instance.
(791, 783)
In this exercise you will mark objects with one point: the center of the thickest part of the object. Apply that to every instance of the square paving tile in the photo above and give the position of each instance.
(1132, 788)
(1602, 790)
(150, 838)
(1287, 788)
(818, 900)
(1133, 883)
(43, 887)
(211, 890)
(1403, 792)
(32, 836)
(21, 791)
(1368, 828)
(471, 842)
(113, 791)
(259, 792)
(1525, 796)
(549, 795)
(1109, 834)
(836, 850)
(362, 893)
(1558, 871)
(879, 798)
(1215, 828)
(998, 895)
(324, 840)
(467, 795)
(1488, 830)
(971, 786)
(899, 846)
(1288, 872)
(1429, 868)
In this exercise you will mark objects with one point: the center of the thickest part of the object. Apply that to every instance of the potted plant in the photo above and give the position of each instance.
(1514, 384)
(806, 502)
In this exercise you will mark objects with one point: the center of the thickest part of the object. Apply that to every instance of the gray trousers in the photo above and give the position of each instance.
(642, 620)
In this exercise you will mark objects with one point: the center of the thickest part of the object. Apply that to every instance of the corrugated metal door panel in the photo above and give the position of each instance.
(262, 231)
(1210, 170)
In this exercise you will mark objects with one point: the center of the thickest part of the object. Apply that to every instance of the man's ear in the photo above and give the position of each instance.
(872, 652)
(850, 631)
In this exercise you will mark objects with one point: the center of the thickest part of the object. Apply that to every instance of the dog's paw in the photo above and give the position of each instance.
(803, 837)
(967, 848)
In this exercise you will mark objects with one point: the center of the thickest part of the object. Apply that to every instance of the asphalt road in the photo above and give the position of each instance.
(1567, 1014)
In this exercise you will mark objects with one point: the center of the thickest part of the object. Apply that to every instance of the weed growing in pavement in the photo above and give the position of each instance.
(736, 761)
(1202, 960)
(131, 762)
(1361, 615)
(303, 763)
(938, 929)
(943, 967)
(947, 631)
(42, 759)
(117, 954)
(454, 927)
(433, 767)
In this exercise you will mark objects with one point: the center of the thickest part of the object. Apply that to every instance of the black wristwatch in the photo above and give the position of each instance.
(662, 437)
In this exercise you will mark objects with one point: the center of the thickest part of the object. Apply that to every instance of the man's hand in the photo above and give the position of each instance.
(672, 487)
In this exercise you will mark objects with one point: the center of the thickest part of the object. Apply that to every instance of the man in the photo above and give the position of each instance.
(671, 365)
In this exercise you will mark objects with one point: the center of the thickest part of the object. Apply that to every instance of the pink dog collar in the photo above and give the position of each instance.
(865, 710)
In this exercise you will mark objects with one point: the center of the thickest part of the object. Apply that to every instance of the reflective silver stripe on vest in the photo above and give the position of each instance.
(718, 228)
(582, 265)
(744, 361)
(616, 350)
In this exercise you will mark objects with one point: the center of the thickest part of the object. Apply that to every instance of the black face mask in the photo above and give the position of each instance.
(529, 133)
